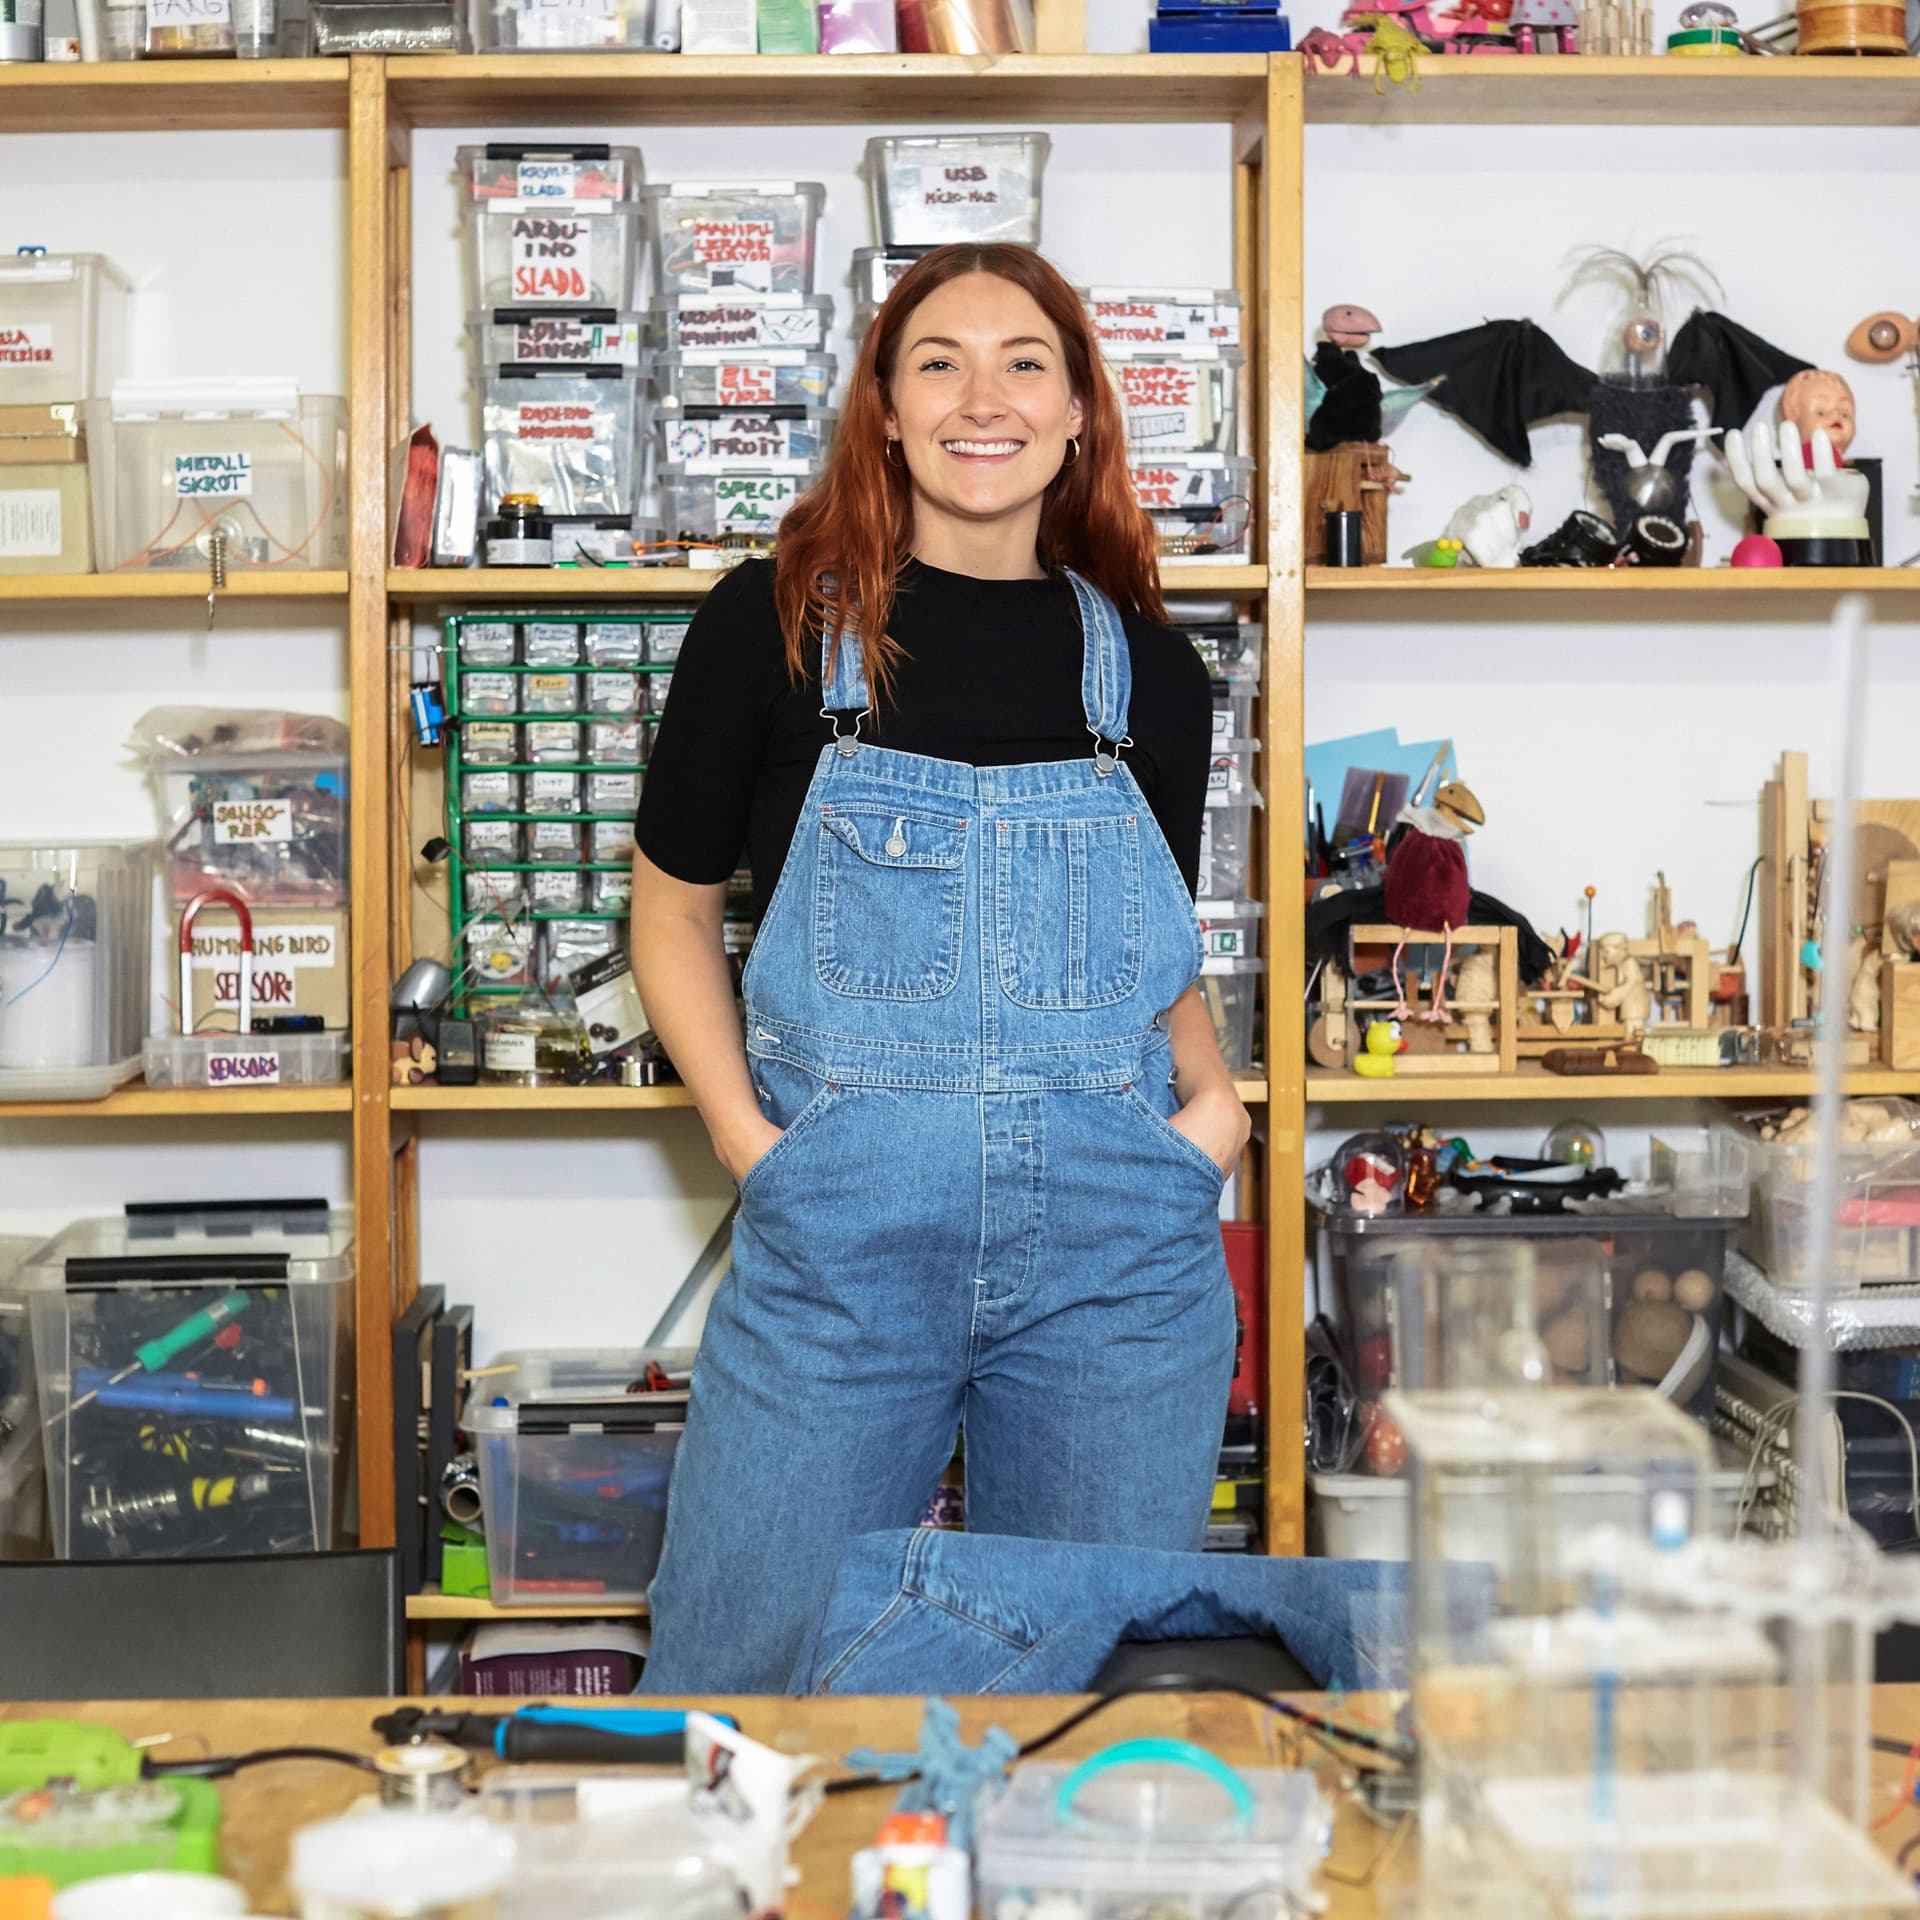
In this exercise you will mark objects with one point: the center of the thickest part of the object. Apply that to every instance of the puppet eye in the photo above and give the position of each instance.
(1643, 333)
(1884, 335)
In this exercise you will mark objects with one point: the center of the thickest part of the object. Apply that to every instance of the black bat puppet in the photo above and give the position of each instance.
(1505, 376)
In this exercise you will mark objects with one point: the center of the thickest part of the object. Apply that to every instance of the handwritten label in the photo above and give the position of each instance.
(553, 420)
(279, 955)
(552, 839)
(613, 692)
(1119, 324)
(746, 386)
(546, 180)
(553, 740)
(243, 1069)
(30, 524)
(553, 786)
(613, 840)
(965, 186)
(736, 253)
(559, 342)
(557, 892)
(1163, 402)
(612, 792)
(614, 741)
(213, 476)
(664, 640)
(736, 437)
(491, 840)
(710, 327)
(25, 346)
(752, 502)
(237, 822)
(552, 257)
(488, 692)
(489, 792)
(189, 13)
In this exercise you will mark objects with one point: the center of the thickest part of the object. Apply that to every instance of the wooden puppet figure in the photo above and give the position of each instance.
(1427, 880)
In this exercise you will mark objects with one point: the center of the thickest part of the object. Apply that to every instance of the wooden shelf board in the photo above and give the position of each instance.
(1439, 581)
(473, 586)
(1534, 1083)
(435, 1605)
(491, 1099)
(93, 588)
(1614, 91)
(138, 1101)
(765, 90)
(165, 96)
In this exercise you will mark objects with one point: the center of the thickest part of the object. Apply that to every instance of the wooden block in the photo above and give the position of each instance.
(1508, 1037)
(1418, 1066)
(1337, 481)
(1900, 1014)
(1903, 888)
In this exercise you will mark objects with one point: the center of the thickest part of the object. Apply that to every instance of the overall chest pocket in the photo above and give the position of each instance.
(889, 902)
(1067, 910)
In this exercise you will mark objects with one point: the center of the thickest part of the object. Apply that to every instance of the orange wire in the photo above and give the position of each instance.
(1907, 1784)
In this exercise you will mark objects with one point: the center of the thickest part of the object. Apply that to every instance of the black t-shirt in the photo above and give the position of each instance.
(991, 678)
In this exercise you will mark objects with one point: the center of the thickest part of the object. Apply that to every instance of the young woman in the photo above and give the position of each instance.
(979, 1123)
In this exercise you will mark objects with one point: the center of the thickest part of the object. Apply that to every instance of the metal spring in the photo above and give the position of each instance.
(216, 561)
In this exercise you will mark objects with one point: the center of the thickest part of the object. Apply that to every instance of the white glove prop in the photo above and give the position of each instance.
(1817, 513)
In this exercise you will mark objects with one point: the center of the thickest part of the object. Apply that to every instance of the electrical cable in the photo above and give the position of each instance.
(1907, 1783)
(1322, 1727)
(1740, 937)
(1903, 1859)
(225, 1766)
(1772, 1428)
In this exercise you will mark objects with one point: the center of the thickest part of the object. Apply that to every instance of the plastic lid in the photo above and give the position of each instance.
(1178, 296)
(318, 1246)
(25, 1898)
(30, 263)
(387, 1862)
(235, 393)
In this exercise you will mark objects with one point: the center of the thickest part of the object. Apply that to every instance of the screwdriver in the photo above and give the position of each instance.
(155, 1354)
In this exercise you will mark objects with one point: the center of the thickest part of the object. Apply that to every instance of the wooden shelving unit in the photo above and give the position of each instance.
(1533, 1083)
(1265, 105)
(435, 1605)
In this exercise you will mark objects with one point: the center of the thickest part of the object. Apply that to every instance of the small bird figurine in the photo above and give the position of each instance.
(1427, 879)
(1375, 1061)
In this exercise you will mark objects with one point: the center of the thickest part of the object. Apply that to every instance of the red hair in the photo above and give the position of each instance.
(855, 524)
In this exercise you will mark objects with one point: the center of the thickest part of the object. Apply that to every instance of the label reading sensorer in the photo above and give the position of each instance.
(240, 822)
(213, 476)
(30, 525)
(22, 345)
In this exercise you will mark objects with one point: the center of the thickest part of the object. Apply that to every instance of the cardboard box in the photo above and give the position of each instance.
(1900, 1013)
(300, 965)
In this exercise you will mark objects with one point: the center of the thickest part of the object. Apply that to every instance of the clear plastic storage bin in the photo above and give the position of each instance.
(535, 175)
(259, 1413)
(1226, 849)
(1232, 711)
(575, 1456)
(875, 272)
(1604, 1299)
(569, 26)
(1119, 1836)
(1231, 650)
(255, 1060)
(709, 506)
(175, 464)
(46, 500)
(1231, 990)
(1230, 774)
(734, 236)
(532, 253)
(23, 1480)
(721, 439)
(525, 336)
(930, 188)
(74, 933)
(1876, 1232)
(1230, 929)
(1128, 321)
(799, 322)
(63, 327)
(1182, 402)
(270, 826)
(563, 434)
(773, 377)
(1201, 506)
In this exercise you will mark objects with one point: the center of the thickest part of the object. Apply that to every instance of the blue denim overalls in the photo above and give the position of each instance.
(977, 1217)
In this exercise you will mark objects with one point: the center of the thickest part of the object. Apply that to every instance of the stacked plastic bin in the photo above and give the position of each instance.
(930, 189)
(63, 327)
(740, 371)
(1229, 920)
(1177, 359)
(553, 243)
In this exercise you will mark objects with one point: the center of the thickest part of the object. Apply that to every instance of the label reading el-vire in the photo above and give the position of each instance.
(552, 257)
(213, 476)
(23, 345)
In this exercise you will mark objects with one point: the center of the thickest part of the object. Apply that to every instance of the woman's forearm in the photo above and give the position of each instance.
(686, 986)
(1197, 1065)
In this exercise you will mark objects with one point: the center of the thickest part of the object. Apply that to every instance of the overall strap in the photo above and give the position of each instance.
(843, 685)
(1106, 673)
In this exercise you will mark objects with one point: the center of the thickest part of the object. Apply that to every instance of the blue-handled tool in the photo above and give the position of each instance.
(633, 1736)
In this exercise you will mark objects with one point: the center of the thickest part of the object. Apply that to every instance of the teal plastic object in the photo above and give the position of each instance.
(1165, 1753)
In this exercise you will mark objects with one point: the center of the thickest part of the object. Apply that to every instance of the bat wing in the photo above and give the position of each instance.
(1395, 406)
(1500, 378)
(1736, 367)
(1316, 391)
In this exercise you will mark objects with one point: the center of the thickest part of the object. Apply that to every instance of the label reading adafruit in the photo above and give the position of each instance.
(213, 476)
(552, 256)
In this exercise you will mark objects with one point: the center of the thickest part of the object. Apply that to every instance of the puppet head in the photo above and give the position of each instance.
(1349, 326)
(1456, 801)
(1819, 399)
(1634, 352)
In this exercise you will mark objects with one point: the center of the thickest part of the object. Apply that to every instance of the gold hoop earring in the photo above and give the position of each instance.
(1073, 440)
(893, 447)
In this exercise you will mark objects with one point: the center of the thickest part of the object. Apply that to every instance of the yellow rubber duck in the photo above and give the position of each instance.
(1382, 1043)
